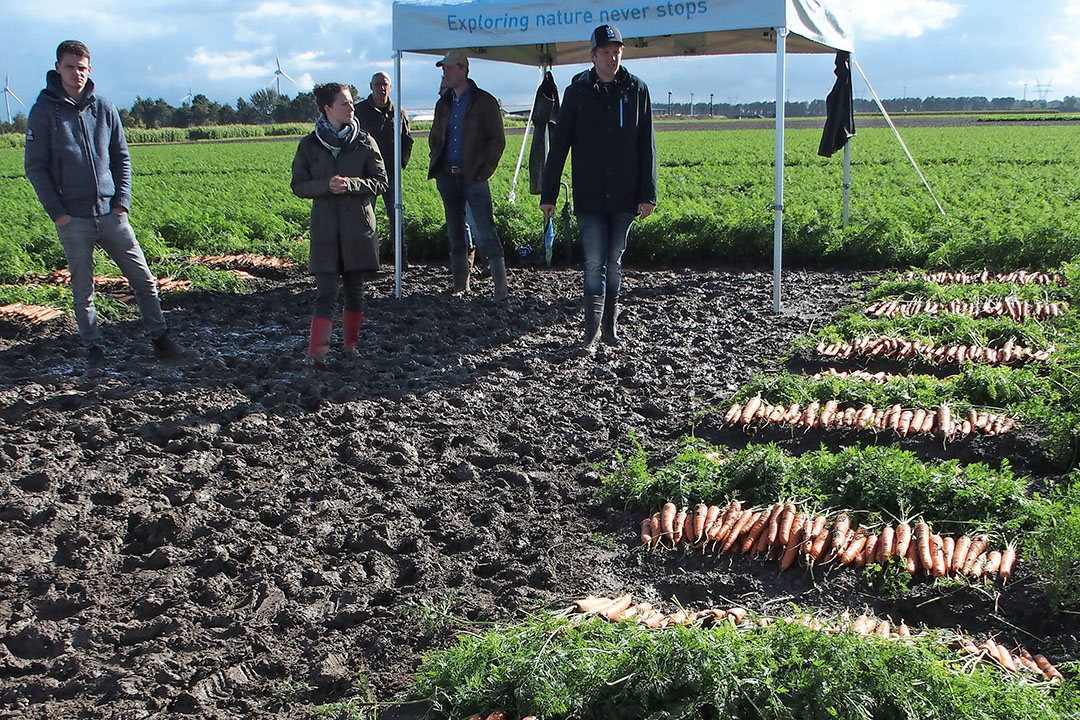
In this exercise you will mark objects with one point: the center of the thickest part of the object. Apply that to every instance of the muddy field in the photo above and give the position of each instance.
(243, 537)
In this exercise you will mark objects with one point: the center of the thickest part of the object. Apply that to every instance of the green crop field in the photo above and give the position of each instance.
(1010, 194)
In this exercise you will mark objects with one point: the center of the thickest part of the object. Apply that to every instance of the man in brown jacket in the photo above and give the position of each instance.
(467, 142)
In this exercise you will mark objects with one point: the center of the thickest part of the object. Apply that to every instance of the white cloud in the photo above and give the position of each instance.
(896, 18)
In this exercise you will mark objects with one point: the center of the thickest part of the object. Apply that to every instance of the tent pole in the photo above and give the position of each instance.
(778, 184)
(397, 219)
(847, 179)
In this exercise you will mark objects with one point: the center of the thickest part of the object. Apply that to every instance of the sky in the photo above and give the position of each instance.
(225, 49)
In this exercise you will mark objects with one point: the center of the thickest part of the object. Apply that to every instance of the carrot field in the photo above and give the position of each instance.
(1009, 192)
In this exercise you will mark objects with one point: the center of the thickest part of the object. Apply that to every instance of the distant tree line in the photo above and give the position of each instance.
(816, 108)
(266, 106)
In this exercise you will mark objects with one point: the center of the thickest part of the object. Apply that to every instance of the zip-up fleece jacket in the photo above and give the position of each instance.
(76, 154)
(484, 138)
(613, 167)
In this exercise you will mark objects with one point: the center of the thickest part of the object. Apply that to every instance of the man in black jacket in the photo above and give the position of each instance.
(376, 117)
(606, 117)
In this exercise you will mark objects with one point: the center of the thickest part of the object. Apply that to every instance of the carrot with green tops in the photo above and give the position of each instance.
(922, 540)
(960, 553)
(885, 543)
(700, 513)
(903, 538)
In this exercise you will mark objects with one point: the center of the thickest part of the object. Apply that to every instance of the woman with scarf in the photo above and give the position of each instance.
(340, 168)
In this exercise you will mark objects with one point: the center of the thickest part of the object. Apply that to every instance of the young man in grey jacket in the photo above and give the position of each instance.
(77, 160)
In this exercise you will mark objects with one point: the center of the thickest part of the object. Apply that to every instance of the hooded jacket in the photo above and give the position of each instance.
(614, 163)
(343, 233)
(76, 155)
(484, 139)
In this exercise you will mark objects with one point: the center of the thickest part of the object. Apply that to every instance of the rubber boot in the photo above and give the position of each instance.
(594, 311)
(498, 275)
(319, 345)
(352, 320)
(460, 267)
(610, 324)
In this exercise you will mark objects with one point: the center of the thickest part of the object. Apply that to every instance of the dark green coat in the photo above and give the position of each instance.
(343, 233)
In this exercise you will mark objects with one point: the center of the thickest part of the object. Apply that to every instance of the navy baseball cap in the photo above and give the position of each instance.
(605, 35)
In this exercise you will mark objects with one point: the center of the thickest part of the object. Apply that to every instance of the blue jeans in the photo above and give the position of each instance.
(456, 194)
(603, 239)
(113, 232)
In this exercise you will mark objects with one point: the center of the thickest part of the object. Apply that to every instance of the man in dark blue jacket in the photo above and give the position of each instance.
(77, 160)
(606, 117)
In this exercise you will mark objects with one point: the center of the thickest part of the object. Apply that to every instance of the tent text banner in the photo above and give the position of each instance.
(553, 33)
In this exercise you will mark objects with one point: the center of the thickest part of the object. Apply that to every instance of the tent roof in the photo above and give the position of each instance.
(537, 32)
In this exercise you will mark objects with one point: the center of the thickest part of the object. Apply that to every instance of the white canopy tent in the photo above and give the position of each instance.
(545, 33)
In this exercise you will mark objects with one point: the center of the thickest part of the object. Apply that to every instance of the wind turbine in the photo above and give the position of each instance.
(9, 91)
(279, 73)
(189, 96)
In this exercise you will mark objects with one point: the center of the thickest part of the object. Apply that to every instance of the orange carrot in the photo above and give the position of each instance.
(793, 545)
(948, 547)
(617, 607)
(783, 526)
(869, 553)
(752, 406)
(922, 539)
(655, 530)
(791, 522)
(1045, 665)
(903, 539)
(885, 542)
(977, 546)
(839, 533)
(711, 517)
(1007, 559)
(1006, 659)
(700, 512)
(911, 559)
(855, 547)
(773, 530)
(591, 603)
(903, 630)
(993, 562)
(959, 559)
(937, 567)
(818, 546)
(646, 531)
(677, 530)
(978, 566)
(883, 629)
(667, 520)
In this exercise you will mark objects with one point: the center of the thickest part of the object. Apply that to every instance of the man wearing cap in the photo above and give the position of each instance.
(606, 117)
(466, 142)
(376, 117)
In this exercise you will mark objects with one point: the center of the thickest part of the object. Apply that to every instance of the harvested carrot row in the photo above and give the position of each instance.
(866, 625)
(761, 534)
(888, 347)
(31, 313)
(1018, 310)
(1020, 277)
(939, 421)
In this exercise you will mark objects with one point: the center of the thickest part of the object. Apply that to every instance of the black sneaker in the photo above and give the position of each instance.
(95, 358)
(165, 348)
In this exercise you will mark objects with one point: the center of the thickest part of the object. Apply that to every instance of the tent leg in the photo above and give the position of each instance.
(778, 184)
(847, 179)
(397, 219)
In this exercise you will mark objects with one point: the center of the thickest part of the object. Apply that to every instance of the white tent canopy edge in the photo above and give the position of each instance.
(544, 33)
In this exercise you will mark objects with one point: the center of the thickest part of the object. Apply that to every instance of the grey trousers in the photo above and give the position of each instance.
(113, 232)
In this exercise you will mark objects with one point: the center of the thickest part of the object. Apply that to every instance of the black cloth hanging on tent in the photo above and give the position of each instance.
(545, 113)
(839, 109)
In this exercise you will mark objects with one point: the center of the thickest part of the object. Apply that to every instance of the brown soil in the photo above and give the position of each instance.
(240, 536)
